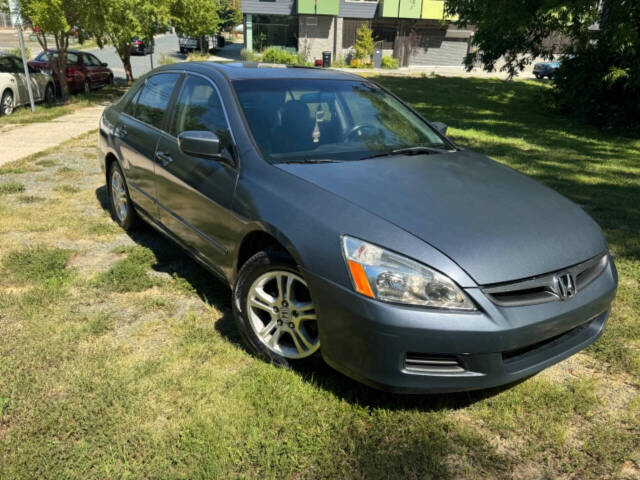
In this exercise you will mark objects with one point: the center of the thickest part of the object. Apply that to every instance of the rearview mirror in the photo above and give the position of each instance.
(441, 127)
(199, 144)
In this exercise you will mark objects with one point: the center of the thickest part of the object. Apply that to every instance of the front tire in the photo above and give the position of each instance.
(120, 203)
(86, 87)
(273, 309)
(6, 103)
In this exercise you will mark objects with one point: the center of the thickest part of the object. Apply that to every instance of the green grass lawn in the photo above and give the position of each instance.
(44, 113)
(119, 358)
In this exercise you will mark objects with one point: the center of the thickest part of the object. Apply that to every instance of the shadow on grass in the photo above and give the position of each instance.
(176, 262)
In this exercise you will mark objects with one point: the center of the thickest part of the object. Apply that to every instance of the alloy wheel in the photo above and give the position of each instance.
(119, 195)
(87, 87)
(7, 104)
(282, 315)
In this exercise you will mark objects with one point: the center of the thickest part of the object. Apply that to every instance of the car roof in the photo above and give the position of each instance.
(68, 51)
(253, 70)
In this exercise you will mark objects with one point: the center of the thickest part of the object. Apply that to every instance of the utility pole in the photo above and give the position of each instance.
(16, 20)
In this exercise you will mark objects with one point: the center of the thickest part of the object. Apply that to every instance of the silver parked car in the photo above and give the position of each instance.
(13, 84)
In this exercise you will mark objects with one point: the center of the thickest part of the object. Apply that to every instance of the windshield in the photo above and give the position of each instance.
(310, 120)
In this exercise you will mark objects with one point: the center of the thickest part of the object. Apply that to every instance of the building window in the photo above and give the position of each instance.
(275, 31)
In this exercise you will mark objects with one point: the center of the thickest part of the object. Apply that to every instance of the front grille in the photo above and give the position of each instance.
(544, 288)
(433, 364)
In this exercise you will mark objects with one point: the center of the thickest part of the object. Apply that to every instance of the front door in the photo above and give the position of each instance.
(137, 136)
(195, 194)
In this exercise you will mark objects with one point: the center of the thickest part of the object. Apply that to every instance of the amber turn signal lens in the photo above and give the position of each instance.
(360, 279)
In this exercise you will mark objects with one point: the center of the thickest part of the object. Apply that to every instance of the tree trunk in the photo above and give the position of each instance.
(126, 62)
(59, 65)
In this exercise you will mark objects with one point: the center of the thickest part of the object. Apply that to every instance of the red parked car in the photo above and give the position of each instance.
(85, 71)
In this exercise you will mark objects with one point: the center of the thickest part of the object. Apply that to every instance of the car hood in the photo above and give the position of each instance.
(497, 224)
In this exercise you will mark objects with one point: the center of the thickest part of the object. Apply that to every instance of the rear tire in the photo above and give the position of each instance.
(121, 207)
(6, 103)
(86, 86)
(274, 311)
(49, 95)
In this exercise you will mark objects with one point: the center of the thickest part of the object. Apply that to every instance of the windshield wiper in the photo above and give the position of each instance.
(312, 161)
(408, 151)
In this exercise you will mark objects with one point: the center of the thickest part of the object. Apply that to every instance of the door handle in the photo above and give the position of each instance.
(120, 132)
(163, 159)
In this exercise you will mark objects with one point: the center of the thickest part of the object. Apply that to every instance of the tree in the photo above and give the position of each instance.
(196, 18)
(230, 15)
(364, 43)
(600, 75)
(60, 19)
(118, 21)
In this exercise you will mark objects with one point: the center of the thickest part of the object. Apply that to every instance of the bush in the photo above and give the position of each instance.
(280, 55)
(166, 60)
(197, 57)
(249, 55)
(590, 88)
(389, 62)
(364, 43)
(360, 63)
(18, 53)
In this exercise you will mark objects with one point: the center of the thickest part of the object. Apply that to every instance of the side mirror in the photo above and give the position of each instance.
(441, 127)
(104, 64)
(199, 144)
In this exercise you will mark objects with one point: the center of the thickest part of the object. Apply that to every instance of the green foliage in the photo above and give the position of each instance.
(280, 55)
(364, 43)
(599, 81)
(389, 62)
(18, 53)
(340, 62)
(166, 60)
(195, 18)
(34, 264)
(249, 55)
(117, 21)
(197, 57)
(11, 187)
(60, 19)
(130, 273)
(230, 16)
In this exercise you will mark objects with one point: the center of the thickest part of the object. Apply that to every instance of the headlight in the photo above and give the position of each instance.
(387, 276)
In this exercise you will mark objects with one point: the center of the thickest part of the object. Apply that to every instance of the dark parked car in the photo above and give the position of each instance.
(545, 69)
(191, 44)
(85, 72)
(141, 46)
(350, 227)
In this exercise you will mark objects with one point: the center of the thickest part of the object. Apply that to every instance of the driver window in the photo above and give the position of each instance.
(199, 108)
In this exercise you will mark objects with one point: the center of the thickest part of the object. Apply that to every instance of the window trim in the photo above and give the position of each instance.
(169, 104)
(215, 87)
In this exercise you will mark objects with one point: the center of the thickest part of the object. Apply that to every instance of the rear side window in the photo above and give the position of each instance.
(7, 65)
(199, 108)
(154, 99)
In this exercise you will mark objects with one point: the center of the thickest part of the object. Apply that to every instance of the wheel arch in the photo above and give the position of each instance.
(259, 239)
(9, 88)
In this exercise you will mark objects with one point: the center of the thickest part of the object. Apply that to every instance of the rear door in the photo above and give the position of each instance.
(195, 194)
(36, 88)
(137, 135)
(20, 80)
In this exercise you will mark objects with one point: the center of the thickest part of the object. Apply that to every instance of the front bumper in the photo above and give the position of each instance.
(370, 340)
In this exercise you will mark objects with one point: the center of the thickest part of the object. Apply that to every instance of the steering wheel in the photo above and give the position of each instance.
(359, 130)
